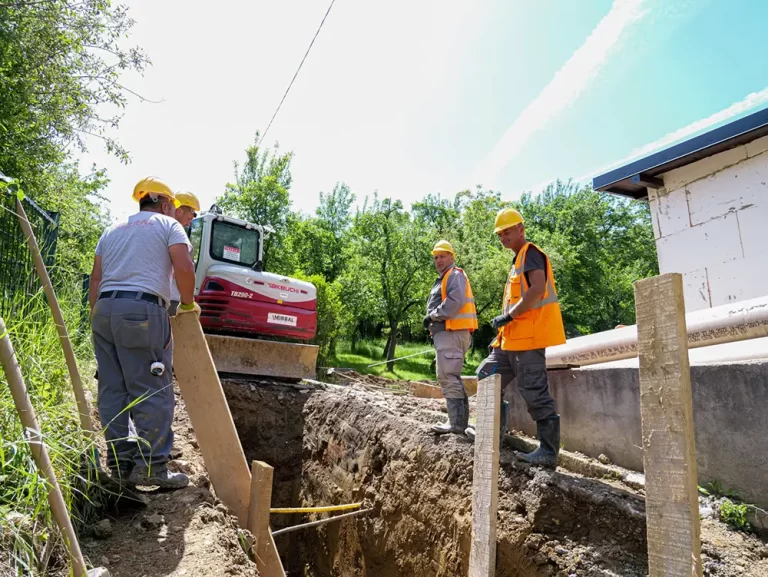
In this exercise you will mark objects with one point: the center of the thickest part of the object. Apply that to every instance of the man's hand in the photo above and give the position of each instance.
(192, 307)
(427, 321)
(500, 321)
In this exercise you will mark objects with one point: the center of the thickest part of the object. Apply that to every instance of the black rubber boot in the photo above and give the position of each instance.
(470, 431)
(548, 432)
(458, 417)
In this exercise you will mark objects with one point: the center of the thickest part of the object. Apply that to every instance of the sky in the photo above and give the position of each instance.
(430, 97)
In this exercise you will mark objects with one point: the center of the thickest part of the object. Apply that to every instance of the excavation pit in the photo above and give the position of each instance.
(342, 445)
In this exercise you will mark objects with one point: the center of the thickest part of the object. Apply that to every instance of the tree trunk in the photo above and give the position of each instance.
(353, 340)
(391, 346)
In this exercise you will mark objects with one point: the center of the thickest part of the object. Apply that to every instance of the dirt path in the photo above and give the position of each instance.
(186, 532)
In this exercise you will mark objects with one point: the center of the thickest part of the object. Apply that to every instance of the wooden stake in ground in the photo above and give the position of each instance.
(208, 410)
(83, 407)
(485, 480)
(39, 452)
(267, 560)
(669, 453)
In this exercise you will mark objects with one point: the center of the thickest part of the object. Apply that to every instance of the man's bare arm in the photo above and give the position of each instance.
(93, 285)
(184, 271)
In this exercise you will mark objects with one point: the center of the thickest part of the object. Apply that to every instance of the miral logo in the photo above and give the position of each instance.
(283, 288)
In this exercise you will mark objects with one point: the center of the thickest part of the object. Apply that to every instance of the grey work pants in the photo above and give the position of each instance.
(530, 369)
(128, 336)
(450, 348)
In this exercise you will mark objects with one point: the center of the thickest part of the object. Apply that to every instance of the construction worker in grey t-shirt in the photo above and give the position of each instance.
(129, 291)
(187, 211)
(450, 319)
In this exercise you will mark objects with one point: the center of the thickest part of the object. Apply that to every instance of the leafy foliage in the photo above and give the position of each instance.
(735, 515)
(260, 195)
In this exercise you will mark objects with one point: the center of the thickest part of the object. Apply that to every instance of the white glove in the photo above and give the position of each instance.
(192, 307)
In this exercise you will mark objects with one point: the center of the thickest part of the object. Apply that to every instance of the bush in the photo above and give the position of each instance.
(330, 315)
(735, 515)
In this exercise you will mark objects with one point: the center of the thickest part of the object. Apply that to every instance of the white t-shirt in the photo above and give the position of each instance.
(135, 257)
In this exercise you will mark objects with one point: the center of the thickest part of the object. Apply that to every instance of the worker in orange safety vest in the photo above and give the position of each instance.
(530, 322)
(450, 319)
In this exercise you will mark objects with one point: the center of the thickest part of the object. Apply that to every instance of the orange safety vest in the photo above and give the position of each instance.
(539, 327)
(466, 318)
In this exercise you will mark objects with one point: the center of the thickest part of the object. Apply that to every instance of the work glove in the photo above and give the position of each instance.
(500, 321)
(192, 307)
(427, 321)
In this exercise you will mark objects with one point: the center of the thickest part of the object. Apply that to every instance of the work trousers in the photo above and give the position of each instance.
(530, 369)
(450, 348)
(129, 335)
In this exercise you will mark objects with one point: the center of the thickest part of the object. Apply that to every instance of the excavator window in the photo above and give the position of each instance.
(234, 244)
(196, 237)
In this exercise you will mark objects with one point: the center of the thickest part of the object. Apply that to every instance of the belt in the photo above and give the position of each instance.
(148, 297)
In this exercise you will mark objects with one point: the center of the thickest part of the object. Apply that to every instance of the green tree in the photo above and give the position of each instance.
(260, 194)
(61, 68)
(393, 255)
(320, 242)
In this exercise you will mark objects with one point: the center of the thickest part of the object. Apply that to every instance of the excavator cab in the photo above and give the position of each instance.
(240, 302)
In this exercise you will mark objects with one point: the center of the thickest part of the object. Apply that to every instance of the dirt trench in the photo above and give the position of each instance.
(336, 445)
(342, 445)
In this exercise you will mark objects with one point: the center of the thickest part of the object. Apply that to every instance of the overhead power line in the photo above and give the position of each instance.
(296, 73)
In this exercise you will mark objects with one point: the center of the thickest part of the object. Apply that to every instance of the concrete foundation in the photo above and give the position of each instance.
(600, 414)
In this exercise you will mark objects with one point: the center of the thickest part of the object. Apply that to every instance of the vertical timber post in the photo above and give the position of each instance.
(485, 479)
(267, 560)
(669, 452)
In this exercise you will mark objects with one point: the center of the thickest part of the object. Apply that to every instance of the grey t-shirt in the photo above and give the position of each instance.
(135, 257)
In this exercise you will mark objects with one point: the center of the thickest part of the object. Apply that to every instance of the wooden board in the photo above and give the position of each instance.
(427, 391)
(210, 416)
(267, 560)
(669, 453)
(485, 480)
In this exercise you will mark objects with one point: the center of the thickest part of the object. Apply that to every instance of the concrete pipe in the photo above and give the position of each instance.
(724, 324)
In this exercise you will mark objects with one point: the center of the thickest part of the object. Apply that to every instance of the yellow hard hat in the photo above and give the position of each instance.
(443, 246)
(507, 217)
(188, 199)
(153, 185)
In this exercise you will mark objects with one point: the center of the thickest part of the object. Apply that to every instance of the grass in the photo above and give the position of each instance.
(30, 543)
(416, 368)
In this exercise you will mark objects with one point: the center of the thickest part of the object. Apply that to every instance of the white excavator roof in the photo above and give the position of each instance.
(233, 220)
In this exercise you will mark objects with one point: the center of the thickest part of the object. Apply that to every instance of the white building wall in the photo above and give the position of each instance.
(711, 224)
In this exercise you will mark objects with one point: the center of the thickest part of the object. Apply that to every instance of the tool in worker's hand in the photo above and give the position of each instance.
(400, 358)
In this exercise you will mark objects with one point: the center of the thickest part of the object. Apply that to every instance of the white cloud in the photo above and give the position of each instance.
(566, 85)
(749, 102)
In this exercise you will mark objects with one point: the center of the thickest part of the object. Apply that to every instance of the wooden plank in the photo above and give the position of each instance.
(267, 560)
(485, 480)
(210, 416)
(669, 452)
(427, 391)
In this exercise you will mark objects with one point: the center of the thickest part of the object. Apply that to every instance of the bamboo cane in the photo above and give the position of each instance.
(40, 454)
(83, 407)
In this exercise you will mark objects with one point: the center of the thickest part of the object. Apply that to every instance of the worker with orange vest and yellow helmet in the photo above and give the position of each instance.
(450, 319)
(530, 322)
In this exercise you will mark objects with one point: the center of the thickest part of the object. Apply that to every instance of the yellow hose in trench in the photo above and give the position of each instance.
(317, 509)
